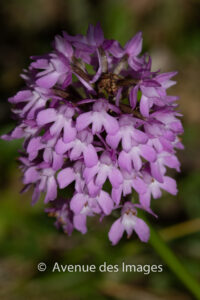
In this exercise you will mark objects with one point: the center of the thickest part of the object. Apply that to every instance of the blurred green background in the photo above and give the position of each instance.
(27, 236)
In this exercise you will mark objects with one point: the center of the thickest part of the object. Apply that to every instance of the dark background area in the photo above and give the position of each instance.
(27, 236)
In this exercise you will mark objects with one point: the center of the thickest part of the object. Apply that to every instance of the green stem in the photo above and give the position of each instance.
(173, 263)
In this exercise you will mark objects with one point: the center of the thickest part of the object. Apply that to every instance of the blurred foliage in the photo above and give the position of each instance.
(27, 236)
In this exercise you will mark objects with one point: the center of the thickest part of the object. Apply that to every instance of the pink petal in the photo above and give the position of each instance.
(21, 96)
(115, 177)
(63, 46)
(142, 230)
(90, 156)
(93, 189)
(57, 161)
(48, 155)
(148, 152)
(101, 176)
(34, 145)
(35, 196)
(51, 189)
(116, 194)
(136, 160)
(49, 80)
(155, 190)
(65, 177)
(116, 231)
(69, 132)
(80, 223)
(46, 116)
(89, 173)
(76, 152)
(31, 175)
(172, 162)
(57, 126)
(145, 199)
(156, 171)
(139, 136)
(134, 46)
(144, 106)
(149, 91)
(111, 125)
(105, 202)
(77, 203)
(90, 35)
(62, 147)
(139, 185)
(169, 185)
(124, 161)
(97, 123)
(98, 35)
(83, 120)
(113, 140)
(133, 96)
(127, 141)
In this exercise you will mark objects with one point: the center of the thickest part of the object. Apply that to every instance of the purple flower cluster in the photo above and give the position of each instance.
(97, 125)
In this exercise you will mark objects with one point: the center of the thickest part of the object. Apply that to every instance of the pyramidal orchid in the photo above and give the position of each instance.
(97, 125)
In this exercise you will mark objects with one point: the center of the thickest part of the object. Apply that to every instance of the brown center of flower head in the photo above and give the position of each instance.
(108, 83)
(106, 86)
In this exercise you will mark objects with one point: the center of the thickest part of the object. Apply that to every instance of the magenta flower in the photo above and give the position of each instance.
(99, 118)
(128, 222)
(81, 145)
(97, 136)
